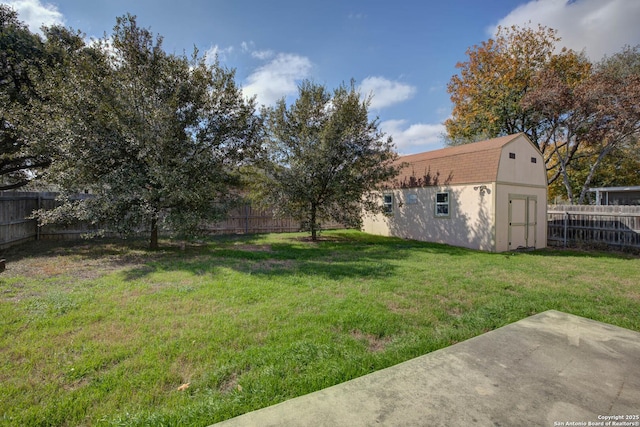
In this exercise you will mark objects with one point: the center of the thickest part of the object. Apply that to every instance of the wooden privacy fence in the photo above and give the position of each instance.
(17, 227)
(17, 207)
(249, 220)
(571, 225)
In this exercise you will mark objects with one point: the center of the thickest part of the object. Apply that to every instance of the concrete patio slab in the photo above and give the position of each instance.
(551, 369)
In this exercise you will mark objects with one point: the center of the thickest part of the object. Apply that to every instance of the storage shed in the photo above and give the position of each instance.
(489, 195)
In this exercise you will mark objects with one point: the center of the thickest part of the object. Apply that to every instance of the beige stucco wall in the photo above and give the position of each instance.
(470, 223)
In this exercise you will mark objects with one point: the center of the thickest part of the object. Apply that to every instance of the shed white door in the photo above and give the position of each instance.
(522, 221)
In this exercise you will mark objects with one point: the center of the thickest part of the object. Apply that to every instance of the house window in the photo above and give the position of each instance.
(442, 204)
(512, 155)
(387, 204)
(534, 160)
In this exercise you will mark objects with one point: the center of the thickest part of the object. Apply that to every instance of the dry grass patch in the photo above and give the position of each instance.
(374, 343)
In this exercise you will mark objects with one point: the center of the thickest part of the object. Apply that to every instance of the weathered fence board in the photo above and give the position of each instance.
(247, 219)
(15, 208)
(571, 225)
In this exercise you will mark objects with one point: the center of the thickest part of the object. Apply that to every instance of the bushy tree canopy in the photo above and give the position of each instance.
(323, 158)
(156, 138)
(31, 68)
(521, 82)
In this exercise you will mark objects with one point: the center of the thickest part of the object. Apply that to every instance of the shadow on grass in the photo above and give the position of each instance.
(583, 253)
(337, 255)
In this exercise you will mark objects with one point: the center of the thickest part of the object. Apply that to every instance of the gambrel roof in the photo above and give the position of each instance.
(463, 164)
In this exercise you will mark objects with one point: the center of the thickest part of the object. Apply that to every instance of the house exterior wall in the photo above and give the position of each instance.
(469, 223)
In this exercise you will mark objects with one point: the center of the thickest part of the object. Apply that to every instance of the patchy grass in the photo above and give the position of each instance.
(109, 333)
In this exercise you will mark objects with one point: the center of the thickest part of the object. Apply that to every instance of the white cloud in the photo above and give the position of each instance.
(262, 54)
(278, 78)
(219, 52)
(385, 92)
(36, 14)
(598, 26)
(414, 138)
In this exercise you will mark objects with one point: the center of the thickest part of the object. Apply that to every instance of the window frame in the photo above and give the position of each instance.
(438, 204)
(388, 207)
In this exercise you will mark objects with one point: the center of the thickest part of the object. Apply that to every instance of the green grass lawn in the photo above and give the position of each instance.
(106, 332)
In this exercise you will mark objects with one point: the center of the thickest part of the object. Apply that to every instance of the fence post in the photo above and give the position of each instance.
(566, 225)
(246, 218)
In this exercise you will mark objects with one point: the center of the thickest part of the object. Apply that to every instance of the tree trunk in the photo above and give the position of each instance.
(592, 170)
(153, 244)
(567, 185)
(312, 225)
(564, 172)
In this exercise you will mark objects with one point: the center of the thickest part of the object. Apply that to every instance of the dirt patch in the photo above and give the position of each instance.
(79, 268)
(75, 260)
(375, 343)
(397, 307)
(272, 264)
(231, 384)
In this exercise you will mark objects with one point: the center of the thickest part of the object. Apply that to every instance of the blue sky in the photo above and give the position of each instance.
(402, 52)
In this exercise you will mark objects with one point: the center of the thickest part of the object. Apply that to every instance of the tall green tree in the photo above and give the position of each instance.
(324, 158)
(30, 101)
(157, 139)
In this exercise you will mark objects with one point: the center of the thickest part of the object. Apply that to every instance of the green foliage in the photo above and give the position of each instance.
(323, 158)
(156, 139)
(104, 333)
(620, 167)
(30, 97)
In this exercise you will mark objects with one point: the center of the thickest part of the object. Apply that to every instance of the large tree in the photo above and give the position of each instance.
(620, 167)
(521, 82)
(589, 119)
(157, 139)
(612, 98)
(324, 158)
(498, 74)
(31, 68)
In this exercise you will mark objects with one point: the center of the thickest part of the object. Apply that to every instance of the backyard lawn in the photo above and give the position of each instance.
(106, 332)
